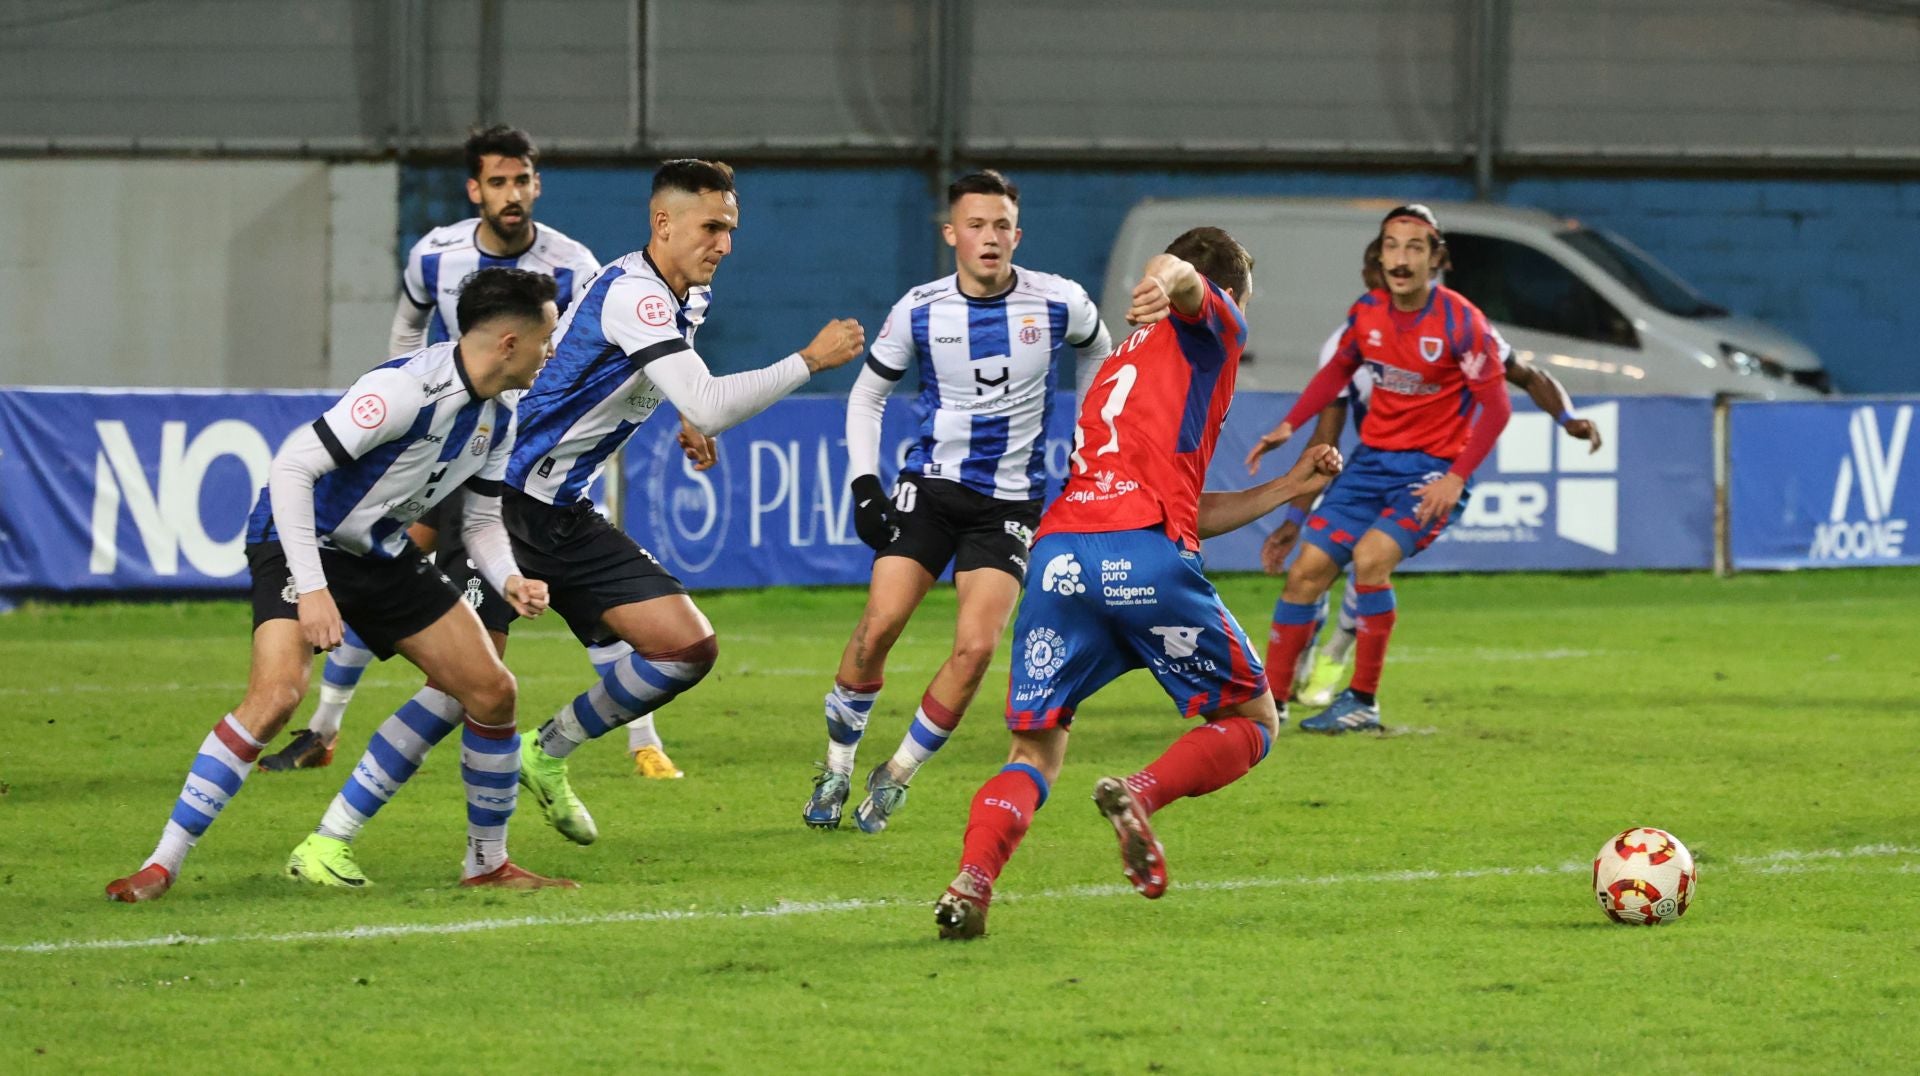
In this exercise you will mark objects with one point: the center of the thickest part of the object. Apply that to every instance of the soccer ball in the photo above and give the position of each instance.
(1643, 877)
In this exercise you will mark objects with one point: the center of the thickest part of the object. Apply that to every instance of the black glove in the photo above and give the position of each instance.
(870, 520)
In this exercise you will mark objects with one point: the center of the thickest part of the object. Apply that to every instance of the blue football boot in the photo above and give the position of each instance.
(1347, 714)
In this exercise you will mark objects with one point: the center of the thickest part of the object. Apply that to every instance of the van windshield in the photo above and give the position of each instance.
(1641, 274)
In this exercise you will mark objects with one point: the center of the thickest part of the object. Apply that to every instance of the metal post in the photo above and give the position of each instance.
(946, 50)
(636, 75)
(1487, 77)
(492, 34)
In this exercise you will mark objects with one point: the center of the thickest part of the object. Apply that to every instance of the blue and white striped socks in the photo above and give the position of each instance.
(226, 757)
(490, 766)
(932, 724)
(637, 684)
(848, 708)
(640, 731)
(339, 677)
(392, 757)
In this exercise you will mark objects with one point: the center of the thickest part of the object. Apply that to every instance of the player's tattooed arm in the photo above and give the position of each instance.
(1221, 512)
(1167, 283)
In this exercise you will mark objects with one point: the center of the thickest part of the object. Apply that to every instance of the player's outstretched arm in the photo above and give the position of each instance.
(1167, 283)
(1226, 511)
(1279, 543)
(1549, 395)
(712, 404)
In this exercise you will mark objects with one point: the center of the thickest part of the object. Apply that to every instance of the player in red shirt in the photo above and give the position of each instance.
(1117, 582)
(1432, 357)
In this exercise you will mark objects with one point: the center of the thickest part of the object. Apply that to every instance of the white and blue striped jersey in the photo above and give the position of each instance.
(595, 391)
(404, 436)
(445, 257)
(988, 372)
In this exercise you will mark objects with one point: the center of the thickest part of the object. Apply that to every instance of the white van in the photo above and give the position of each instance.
(1599, 313)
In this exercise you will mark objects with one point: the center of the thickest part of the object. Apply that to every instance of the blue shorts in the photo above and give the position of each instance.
(1098, 605)
(1376, 492)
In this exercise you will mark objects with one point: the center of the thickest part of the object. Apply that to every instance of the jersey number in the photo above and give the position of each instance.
(905, 495)
(1122, 381)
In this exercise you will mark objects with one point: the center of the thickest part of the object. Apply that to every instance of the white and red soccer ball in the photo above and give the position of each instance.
(1643, 877)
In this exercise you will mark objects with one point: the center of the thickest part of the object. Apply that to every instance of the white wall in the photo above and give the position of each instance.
(194, 273)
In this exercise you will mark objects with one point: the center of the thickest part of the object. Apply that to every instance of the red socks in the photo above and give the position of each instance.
(1292, 630)
(1002, 811)
(1375, 606)
(1206, 759)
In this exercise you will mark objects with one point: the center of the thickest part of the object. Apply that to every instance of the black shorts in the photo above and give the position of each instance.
(383, 600)
(941, 521)
(588, 564)
(450, 556)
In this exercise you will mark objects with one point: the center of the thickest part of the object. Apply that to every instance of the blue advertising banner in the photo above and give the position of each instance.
(775, 509)
(143, 492)
(128, 491)
(1822, 484)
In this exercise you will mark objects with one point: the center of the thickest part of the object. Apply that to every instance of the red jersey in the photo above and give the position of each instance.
(1429, 367)
(1149, 425)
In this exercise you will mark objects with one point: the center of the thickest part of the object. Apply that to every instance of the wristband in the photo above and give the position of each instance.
(1296, 515)
(1563, 418)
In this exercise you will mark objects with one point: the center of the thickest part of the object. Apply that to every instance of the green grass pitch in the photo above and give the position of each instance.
(1415, 902)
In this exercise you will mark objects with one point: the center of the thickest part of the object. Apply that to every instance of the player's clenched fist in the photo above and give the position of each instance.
(836, 345)
(319, 619)
(527, 596)
(1316, 467)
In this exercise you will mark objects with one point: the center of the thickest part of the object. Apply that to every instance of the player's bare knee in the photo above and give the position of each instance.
(492, 696)
(695, 660)
(971, 657)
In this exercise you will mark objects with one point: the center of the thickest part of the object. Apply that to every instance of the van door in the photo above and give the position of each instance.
(1552, 318)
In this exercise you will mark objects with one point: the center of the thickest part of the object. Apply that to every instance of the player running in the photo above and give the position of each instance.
(503, 181)
(989, 342)
(327, 541)
(624, 347)
(1118, 582)
(1318, 672)
(1432, 358)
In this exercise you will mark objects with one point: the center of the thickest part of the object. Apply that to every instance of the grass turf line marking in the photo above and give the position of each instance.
(1780, 862)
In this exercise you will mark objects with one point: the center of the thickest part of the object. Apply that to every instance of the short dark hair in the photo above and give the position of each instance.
(1218, 257)
(985, 181)
(499, 140)
(503, 293)
(693, 176)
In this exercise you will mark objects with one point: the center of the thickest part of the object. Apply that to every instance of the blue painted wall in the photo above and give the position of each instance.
(1828, 260)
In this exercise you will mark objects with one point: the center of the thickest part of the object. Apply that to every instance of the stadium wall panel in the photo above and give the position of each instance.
(1812, 256)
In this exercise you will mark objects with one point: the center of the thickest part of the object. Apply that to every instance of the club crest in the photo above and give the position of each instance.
(1431, 348)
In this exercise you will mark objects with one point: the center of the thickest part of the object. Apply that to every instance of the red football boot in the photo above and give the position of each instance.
(1140, 852)
(150, 882)
(510, 875)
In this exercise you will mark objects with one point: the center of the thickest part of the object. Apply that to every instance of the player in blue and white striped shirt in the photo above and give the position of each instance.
(625, 346)
(502, 181)
(989, 344)
(328, 540)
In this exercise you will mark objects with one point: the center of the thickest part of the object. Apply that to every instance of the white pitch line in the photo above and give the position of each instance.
(1786, 861)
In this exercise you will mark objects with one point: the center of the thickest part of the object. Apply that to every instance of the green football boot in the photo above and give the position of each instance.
(545, 779)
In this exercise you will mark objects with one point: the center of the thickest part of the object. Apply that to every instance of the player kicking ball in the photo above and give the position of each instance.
(327, 543)
(990, 342)
(1432, 358)
(1117, 582)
